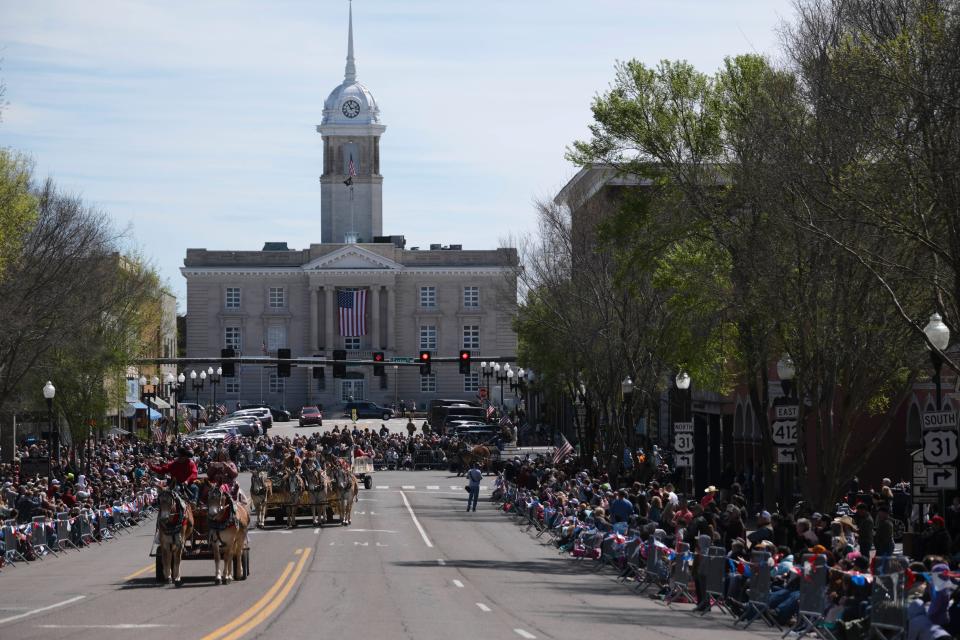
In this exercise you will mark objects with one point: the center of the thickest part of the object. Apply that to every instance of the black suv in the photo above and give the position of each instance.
(367, 409)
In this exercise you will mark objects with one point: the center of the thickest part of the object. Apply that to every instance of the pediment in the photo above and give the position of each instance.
(351, 257)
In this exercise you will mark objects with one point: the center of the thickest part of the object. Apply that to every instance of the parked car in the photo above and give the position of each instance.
(278, 414)
(248, 426)
(311, 416)
(197, 411)
(216, 433)
(266, 418)
(366, 409)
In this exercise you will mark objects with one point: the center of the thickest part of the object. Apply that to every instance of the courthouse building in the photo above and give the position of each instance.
(357, 290)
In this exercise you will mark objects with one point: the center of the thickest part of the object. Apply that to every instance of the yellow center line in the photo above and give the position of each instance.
(252, 611)
(141, 571)
(270, 608)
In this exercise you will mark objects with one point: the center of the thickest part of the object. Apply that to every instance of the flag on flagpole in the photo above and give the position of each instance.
(351, 172)
(263, 347)
(352, 305)
(562, 451)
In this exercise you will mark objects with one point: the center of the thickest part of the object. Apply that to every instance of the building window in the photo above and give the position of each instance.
(471, 297)
(471, 337)
(428, 297)
(277, 299)
(276, 337)
(232, 298)
(428, 384)
(276, 384)
(351, 343)
(231, 338)
(232, 386)
(428, 337)
(471, 383)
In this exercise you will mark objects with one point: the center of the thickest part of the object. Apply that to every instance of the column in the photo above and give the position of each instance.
(329, 317)
(391, 317)
(375, 315)
(314, 319)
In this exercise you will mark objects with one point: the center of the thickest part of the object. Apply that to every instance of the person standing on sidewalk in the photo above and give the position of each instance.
(474, 475)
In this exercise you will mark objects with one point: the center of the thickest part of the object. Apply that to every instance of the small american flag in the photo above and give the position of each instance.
(230, 439)
(562, 451)
(505, 420)
(490, 411)
(221, 410)
(353, 167)
(352, 305)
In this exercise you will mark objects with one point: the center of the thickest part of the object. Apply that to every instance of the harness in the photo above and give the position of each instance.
(173, 526)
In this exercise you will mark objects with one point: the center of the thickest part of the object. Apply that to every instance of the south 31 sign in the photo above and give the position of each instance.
(939, 437)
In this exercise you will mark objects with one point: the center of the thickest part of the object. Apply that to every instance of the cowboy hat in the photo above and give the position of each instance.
(710, 489)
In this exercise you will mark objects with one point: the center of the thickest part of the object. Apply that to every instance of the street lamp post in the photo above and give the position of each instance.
(396, 384)
(500, 379)
(197, 383)
(486, 370)
(214, 378)
(626, 389)
(49, 391)
(786, 371)
(939, 336)
(683, 387)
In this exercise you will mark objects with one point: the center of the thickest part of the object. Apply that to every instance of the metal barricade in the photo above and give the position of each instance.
(38, 536)
(758, 591)
(680, 575)
(655, 569)
(813, 597)
(63, 531)
(422, 459)
(715, 564)
(11, 543)
(888, 602)
(86, 527)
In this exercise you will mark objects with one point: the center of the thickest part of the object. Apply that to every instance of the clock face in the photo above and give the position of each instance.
(351, 108)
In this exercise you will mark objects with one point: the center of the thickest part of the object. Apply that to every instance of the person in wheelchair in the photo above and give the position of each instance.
(183, 473)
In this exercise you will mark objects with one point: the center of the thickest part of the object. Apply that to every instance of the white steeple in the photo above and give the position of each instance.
(350, 74)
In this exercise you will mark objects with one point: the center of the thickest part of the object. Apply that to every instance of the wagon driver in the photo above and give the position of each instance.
(183, 470)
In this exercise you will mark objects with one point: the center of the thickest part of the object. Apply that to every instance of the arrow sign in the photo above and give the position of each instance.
(941, 478)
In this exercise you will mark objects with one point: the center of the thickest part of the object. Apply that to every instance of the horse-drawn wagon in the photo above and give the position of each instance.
(362, 468)
(314, 491)
(215, 528)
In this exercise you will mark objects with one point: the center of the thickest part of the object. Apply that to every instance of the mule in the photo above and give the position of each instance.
(228, 522)
(346, 490)
(295, 486)
(318, 490)
(174, 528)
(261, 491)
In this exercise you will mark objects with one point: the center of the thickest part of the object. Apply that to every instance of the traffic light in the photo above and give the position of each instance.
(424, 363)
(464, 361)
(378, 363)
(339, 370)
(228, 369)
(283, 368)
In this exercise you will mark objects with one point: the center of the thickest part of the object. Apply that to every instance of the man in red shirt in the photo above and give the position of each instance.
(182, 469)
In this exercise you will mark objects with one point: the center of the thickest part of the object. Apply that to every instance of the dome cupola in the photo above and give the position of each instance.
(351, 103)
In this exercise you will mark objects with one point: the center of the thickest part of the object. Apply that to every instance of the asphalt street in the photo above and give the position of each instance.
(413, 564)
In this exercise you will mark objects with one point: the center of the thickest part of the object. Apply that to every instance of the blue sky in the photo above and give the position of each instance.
(192, 122)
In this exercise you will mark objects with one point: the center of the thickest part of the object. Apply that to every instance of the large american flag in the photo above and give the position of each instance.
(562, 451)
(352, 306)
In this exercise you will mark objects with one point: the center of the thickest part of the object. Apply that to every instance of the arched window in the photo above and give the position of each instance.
(913, 425)
(738, 433)
(753, 433)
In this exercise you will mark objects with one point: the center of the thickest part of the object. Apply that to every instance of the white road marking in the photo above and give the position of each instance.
(524, 634)
(362, 513)
(483, 487)
(382, 545)
(332, 543)
(441, 562)
(381, 486)
(433, 487)
(361, 544)
(454, 486)
(483, 607)
(27, 614)
(352, 530)
(408, 487)
(423, 534)
(316, 531)
(458, 584)
(373, 513)
(103, 626)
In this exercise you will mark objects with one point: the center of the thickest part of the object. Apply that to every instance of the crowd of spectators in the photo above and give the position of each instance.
(582, 506)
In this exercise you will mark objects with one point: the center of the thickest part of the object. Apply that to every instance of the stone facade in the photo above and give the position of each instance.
(252, 299)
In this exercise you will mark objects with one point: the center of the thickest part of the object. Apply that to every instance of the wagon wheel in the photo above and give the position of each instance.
(160, 577)
(367, 482)
(246, 563)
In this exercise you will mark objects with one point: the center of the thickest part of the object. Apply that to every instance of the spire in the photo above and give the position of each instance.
(350, 75)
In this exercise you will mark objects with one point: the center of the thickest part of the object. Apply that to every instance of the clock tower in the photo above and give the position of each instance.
(351, 187)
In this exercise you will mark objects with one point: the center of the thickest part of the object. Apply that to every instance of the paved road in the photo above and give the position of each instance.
(412, 565)
(291, 428)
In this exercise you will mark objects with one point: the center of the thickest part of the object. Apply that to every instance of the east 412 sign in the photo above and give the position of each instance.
(785, 433)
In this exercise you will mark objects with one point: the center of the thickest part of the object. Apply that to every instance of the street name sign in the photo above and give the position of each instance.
(400, 359)
(683, 460)
(941, 478)
(683, 437)
(786, 455)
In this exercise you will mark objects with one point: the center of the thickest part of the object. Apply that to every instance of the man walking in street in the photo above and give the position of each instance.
(474, 475)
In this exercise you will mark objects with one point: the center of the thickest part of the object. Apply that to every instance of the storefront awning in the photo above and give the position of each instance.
(160, 403)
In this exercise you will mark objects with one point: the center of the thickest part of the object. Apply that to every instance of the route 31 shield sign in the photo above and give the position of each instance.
(940, 446)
